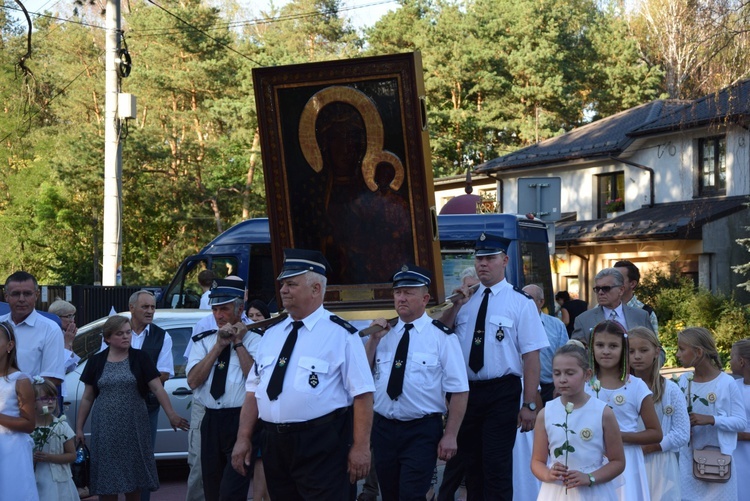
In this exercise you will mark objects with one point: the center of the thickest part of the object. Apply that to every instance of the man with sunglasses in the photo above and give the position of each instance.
(609, 287)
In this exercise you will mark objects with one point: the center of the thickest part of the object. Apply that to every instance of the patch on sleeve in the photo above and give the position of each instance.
(343, 323)
(440, 325)
(200, 336)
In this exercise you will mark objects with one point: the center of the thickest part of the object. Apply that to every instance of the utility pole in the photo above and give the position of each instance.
(112, 231)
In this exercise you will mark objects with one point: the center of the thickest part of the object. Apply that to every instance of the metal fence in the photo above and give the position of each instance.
(91, 301)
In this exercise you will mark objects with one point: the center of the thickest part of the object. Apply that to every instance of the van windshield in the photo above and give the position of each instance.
(185, 291)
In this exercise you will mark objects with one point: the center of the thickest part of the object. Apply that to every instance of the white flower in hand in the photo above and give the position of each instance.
(690, 376)
(596, 385)
(569, 407)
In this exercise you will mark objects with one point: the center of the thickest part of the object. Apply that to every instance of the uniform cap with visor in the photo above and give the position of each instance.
(225, 291)
(412, 276)
(299, 261)
(488, 245)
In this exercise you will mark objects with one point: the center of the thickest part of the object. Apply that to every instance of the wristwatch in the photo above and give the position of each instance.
(592, 480)
(530, 405)
(238, 346)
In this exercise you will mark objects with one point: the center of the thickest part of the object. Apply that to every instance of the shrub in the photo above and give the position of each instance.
(679, 304)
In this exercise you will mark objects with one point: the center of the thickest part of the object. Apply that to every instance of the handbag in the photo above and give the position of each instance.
(710, 465)
(81, 468)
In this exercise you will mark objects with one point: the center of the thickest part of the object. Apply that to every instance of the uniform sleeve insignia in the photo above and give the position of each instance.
(343, 323)
(440, 325)
(522, 292)
(202, 335)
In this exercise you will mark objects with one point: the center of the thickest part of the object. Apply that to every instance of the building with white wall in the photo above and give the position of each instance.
(663, 184)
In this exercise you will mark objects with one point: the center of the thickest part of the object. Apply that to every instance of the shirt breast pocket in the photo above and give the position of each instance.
(423, 367)
(383, 366)
(262, 368)
(501, 327)
(311, 375)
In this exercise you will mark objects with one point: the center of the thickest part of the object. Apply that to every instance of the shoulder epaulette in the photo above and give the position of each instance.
(520, 291)
(440, 325)
(200, 336)
(256, 330)
(343, 323)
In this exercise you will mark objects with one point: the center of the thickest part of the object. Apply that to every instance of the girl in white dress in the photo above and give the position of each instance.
(630, 399)
(716, 413)
(573, 434)
(54, 449)
(16, 422)
(740, 365)
(662, 468)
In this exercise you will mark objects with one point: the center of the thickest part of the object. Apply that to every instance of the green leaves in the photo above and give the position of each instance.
(565, 447)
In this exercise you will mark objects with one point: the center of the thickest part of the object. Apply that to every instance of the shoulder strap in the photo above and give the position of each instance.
(262, 326)
(440, 325)
(648, 309)
(522, 292)
(202, 335)
(343, 323)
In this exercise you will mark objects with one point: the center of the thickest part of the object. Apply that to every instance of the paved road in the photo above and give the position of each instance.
(173, 479)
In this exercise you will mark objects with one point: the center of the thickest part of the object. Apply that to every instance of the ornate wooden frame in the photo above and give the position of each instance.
(347, 170)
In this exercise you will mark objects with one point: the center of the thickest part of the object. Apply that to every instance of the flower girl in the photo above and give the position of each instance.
(573, 434)
(630, 399)
(54, 447)
(16, 422)
(661, 457)
(716, 413)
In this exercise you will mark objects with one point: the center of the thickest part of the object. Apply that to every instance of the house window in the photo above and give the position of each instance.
(712, 166)
(611, 190)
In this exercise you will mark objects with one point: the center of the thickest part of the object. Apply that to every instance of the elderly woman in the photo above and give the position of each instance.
(118, 379)
(67, 314)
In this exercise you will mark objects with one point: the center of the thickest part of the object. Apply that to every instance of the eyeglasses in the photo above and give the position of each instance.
(17, 294)
(605, 288)
(69, 317)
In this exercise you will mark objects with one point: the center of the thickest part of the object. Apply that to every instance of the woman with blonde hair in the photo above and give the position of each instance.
(716, 413)
(662, 468)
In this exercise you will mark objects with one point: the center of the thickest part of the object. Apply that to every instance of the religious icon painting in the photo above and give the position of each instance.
(348, 172)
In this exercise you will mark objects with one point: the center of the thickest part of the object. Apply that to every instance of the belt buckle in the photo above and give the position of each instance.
(283, 428)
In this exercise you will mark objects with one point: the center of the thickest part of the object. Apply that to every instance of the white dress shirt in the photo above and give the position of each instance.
(434, 366)
(522, 329)
(39, 346)
(327, 369)
(234, 391)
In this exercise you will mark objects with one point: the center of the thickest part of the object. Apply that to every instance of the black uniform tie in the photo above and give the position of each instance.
(476, 355)
(219, 382)
(396, 381)
(276, 383)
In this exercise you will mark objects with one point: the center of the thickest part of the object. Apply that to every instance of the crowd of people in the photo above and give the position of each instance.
(519, 404)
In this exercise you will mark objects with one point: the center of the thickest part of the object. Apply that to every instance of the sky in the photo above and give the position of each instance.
(363, 13)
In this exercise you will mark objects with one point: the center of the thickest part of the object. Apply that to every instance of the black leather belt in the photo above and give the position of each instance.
(304, 425)
(489, 382)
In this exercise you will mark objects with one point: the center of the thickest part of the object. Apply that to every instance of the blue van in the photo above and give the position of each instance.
(245, 250)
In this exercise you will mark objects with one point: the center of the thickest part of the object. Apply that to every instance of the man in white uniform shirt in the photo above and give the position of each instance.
(39, 340)
(500, 335)
(312, 387)
(218, 365)
(415, 364)
(197, 409)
